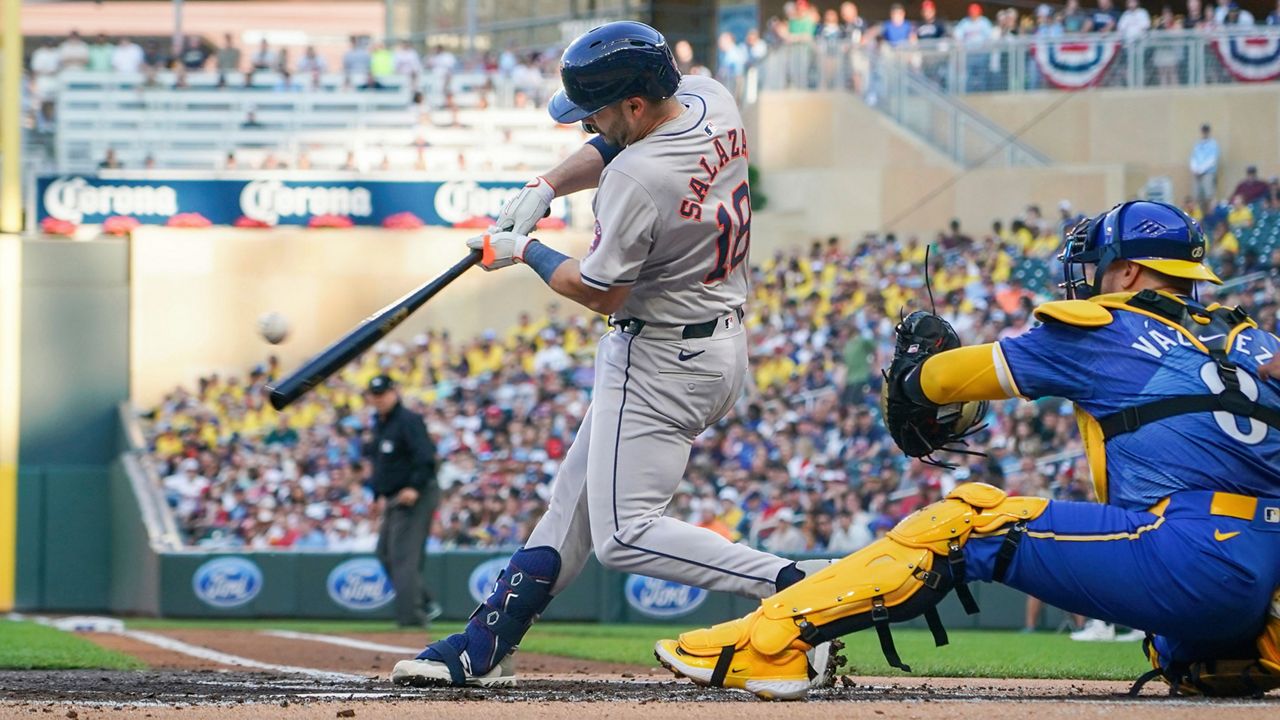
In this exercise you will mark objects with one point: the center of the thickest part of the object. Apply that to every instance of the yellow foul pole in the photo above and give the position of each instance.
(10, 287)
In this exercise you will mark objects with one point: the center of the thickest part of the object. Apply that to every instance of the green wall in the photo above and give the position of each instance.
(75, 360)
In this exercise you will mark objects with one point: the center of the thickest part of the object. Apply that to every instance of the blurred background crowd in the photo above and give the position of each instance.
(803, 464)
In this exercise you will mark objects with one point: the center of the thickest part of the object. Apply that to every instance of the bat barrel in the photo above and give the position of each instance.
(369, 331)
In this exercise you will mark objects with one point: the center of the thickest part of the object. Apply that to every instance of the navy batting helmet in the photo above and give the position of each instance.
(1152, 234)
(610, 63)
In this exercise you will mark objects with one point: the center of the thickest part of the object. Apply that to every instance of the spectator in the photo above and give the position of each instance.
(264, 59)
(1204, 170)
(251, 122)
(382, 62)
(311, 63)
(931, 27)
(228, 55)
(1195, 17)
(786, 538)
(1232, 15)
(802, 22)
(830, 43)
(194, 54)
(851, 23)
(1103, 20)
(355, 61)
(127, 57)
(100, 54)
(1240, 216)
(229, 163)
(731, 65)
(1134, 22)
(406, 60)
(1167, 57)
(508, 60)
(974, 33)
(1251, 189)
(156, 55)
(1273, 17)
(897, 30)
(45, 61)
(73, 53)
(1074, 20)
(110, 161)
(442, 63)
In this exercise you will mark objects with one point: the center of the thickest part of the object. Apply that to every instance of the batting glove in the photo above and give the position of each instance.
(530, 205)
(499, 249)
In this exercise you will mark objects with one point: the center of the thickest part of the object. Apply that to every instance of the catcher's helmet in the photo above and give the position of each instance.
(1152, 234)
(610, 63)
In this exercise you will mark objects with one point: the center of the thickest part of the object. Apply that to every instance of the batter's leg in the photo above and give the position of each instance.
(554, 555)
(565, 525)
(641, 435)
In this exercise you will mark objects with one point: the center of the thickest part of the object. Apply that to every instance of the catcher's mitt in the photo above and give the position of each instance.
(918, 426)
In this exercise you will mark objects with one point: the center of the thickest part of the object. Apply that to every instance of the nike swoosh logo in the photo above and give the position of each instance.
(1223, 537)
(738, 670)
(689, 356)
(1207, 338)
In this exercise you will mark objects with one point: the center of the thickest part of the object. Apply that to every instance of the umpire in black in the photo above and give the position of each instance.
(404, 480)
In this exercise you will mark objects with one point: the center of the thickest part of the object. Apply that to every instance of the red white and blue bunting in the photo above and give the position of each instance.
(1074, 65)
(1249, 58)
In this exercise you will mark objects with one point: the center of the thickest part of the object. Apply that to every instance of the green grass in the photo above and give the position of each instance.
(28, 646)
(972, 653)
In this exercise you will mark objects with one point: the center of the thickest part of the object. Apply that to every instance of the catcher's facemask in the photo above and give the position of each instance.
(1080, 250)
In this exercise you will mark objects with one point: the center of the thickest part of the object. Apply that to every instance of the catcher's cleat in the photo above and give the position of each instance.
(824, 664)
(432, 673)
(785, 676)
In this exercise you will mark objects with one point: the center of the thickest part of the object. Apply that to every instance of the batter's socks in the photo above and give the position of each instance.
(522, 592)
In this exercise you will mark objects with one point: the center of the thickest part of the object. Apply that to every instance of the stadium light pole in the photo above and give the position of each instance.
(10, 288)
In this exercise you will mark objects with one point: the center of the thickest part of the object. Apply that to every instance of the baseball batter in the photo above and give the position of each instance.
(669, 263)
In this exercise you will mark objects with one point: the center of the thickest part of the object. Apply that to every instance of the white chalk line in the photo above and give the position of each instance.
(344, 642)
(204, 653)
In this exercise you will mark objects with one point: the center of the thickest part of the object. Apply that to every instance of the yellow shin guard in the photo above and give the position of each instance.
(900, 576)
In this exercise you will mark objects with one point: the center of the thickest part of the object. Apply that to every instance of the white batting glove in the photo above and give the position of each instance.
(499, 249)
(528, 206)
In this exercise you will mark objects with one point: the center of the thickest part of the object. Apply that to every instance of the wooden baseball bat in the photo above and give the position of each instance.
(362, 337)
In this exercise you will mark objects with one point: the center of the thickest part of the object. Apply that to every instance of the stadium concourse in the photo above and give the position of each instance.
(802, 466)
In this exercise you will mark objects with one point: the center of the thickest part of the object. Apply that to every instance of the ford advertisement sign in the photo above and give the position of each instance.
(360, 584)
(88, 199)
(662, 598)
(227, 582)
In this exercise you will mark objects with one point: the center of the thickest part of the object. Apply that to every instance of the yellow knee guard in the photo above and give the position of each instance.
(900, 576)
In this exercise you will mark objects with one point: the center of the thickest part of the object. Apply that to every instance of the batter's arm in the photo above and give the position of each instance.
(567, 282)
(975, 372)
(579, 171)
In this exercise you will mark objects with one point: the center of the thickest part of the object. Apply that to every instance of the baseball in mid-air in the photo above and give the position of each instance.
(273, 327)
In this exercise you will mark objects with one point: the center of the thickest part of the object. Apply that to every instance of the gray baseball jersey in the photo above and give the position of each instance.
(674, 222)
(673, 214)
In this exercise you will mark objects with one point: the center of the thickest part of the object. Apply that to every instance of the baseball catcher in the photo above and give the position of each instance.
(1182, 434)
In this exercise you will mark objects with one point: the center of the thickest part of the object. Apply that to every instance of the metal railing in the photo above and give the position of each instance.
(1021, 63)
(950, 126)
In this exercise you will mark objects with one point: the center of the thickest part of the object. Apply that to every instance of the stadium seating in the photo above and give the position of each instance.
(196, 127)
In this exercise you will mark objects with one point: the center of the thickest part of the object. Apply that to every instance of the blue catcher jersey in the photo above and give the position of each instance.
(1136, 359)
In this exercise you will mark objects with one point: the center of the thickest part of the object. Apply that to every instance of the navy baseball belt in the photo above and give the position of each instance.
(638, 327)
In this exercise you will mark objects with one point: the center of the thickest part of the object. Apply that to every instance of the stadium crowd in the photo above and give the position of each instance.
(802, 465)
(809, 45)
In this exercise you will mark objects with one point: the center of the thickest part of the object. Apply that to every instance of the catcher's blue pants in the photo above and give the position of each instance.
(1202, 582)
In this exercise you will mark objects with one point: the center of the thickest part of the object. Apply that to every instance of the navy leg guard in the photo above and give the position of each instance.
(496, 627)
